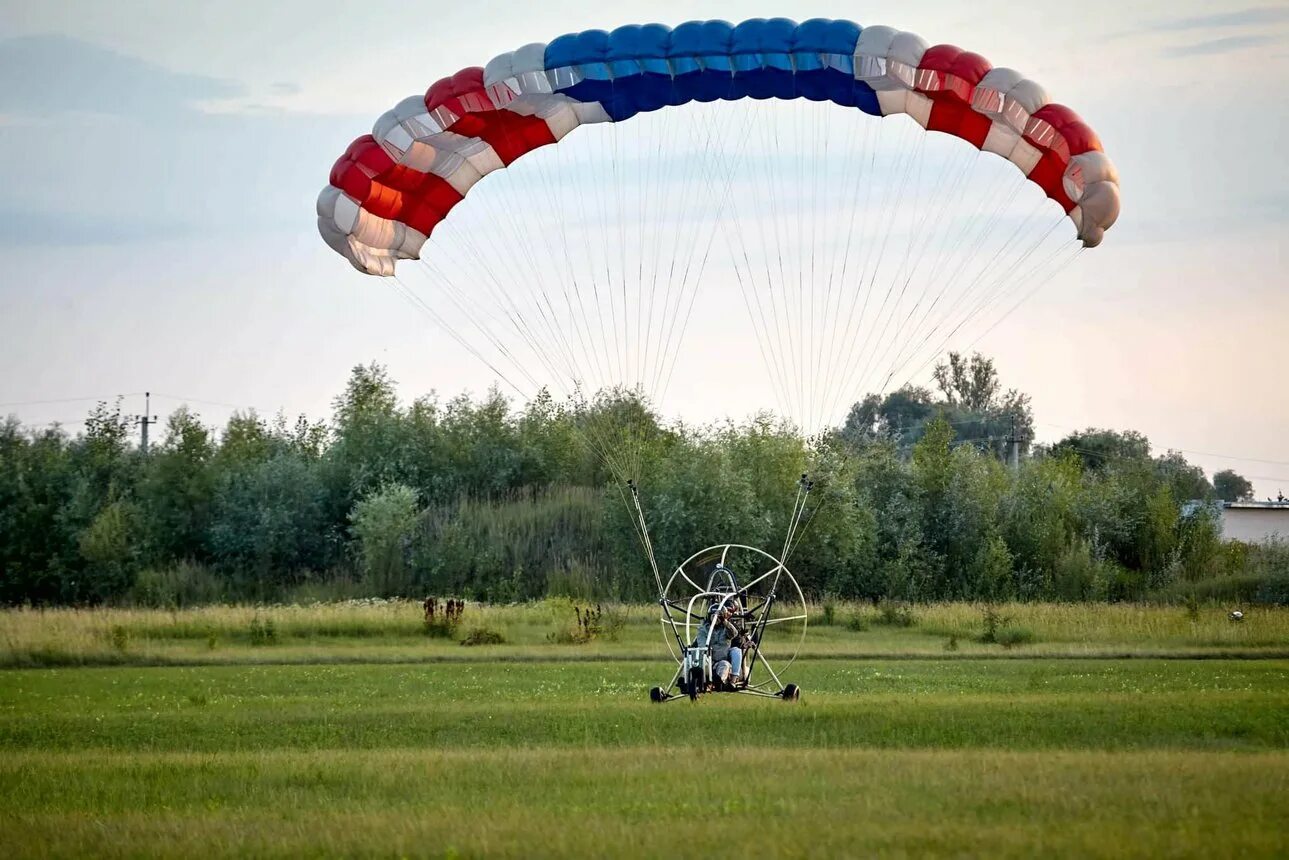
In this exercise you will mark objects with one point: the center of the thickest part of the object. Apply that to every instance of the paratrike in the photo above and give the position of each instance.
(751, 591)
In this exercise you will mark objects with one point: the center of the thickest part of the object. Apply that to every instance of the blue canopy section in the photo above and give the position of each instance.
(646, 67)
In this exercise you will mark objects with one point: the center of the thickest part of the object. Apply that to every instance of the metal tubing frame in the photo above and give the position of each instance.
(707, 594)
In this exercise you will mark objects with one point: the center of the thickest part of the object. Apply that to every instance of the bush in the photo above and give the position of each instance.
(1270, 563)
(483, 636)
(382, 523)
(999, 630)
(830, 612)
(589, 623)
(442, 619)
(1009, 637)
(183, 585)
(993, 622)
(857, 622)
(263, 632)
(895, 614)
(1074, 575)
(1241, 588)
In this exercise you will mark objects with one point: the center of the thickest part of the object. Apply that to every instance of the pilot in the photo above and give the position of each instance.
(727, 642)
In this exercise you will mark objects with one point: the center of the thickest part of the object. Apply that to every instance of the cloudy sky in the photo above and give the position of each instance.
(159, 163)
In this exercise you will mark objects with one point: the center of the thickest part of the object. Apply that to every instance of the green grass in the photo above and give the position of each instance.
(642, 802)
(899, 758)
(353, 733)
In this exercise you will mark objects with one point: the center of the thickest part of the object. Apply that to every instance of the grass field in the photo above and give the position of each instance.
(902, 755)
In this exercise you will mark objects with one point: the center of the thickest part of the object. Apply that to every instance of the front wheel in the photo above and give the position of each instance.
(695, 683)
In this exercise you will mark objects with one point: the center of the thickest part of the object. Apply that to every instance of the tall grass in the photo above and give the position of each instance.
(377, 629)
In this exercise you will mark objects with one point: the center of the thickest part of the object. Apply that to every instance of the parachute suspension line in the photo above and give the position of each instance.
(561, 338)
(908, 147)
(745, 277)
(907, 354)
(772, 198)
(549, 341)
(977, 238)
(817, 325)
(800, 534)
(722, 196)
(915, 254)
(419, 304)
(602, 350)
(644, 536)
(865, 164)
(918, 237)
(804, 486)
(1040, 273)
(516, 317)
(1059, 266)
(776, 285)
(998, 285)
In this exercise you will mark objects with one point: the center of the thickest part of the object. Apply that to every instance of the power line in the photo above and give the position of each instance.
(99, 398)
(180, 398)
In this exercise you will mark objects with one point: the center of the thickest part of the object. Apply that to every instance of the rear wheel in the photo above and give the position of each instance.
(656, 695)
(791, 693)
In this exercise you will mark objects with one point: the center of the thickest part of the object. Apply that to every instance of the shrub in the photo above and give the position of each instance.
(895, 614)
(483, 636)
(1241, 588)
(382, 523)
(1009, 637)
(857, 622)
(263, 632)
(994, 621)
(1270, 563)
(999, 630)
(120, 637)
(589, 623)
(176, 587)
(830, 612)
(1078, 575)
(442, 619)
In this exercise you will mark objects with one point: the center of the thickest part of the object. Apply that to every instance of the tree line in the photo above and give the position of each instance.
(914, 500)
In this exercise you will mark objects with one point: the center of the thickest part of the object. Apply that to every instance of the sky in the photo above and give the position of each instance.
(159, 164)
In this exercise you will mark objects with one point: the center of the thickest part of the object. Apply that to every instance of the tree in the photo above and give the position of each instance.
(898, 416)
(382, 523)
(178, 488)
(1230, 486)
(1097, 449)
(969, 383)
(108, 547)
(971, 400)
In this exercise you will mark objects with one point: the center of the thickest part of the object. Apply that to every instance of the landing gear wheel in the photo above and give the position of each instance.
(791, 693)
(695, 684)
(656, 695)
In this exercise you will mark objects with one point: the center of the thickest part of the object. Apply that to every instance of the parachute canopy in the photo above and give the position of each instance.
(392, 188)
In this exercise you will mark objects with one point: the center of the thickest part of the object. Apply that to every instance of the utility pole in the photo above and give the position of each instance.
(145, 421)
(1013, 447)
